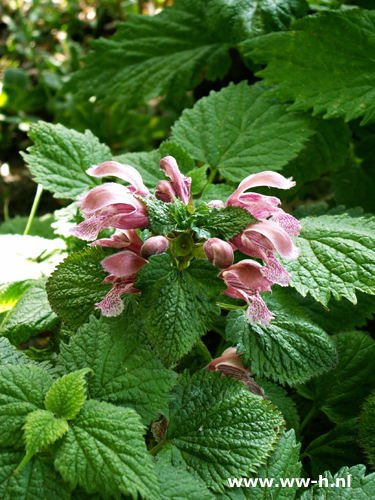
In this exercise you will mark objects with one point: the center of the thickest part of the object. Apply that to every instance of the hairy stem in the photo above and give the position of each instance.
(34, 208)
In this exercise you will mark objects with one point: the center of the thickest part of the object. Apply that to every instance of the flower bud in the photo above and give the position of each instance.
(154, 246)
(164, 192)
(216, 204)
(219, 253)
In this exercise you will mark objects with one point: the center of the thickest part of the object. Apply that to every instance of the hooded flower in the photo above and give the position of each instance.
(111, 204)
(219, 252)
(178, 186)
(246, 281)
(122, 267)
(262, 207)
(128, 239)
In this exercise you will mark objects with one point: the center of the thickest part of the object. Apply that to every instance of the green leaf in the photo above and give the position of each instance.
(77, 284)
(162, 215)
(283, 463)
(41, 429)
(198, 179)
(310, 63)
(291, 349)
(341, 392)
(223, 223)
(109, 451)
(10, 355)
(147, 165)
(126, 370)
(60, 157)
(279, 398)
(354, 186)
(337, 257)
(37, 480)
(177, 307)
(366, 435)
(220, 428)
(176, 483)
(361, 487)
(41, 226)
(67, 395)
(335, 449)
(241, 132)
(27, 310)
(216, 192)
(22, 391)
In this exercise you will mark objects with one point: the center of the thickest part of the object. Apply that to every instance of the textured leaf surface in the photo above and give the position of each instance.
(335, 449)
(37, 480)
(60, 158)
(341, 392)
(291, 349)
(366, 436)
(22, 391)
(354, 186)
(77, 284)
(67, 395)
(318, 66)
(126, 370)
(240, 131)
(10, 355)
(337, 257)
(30, 314)
(41, 429)
(283, 463)
(279, 398)
(105, 452)
(178, 307)
(220, 428)
(176, 483)
(362, 487)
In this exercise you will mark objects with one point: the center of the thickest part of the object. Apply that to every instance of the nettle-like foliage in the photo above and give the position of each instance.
(199, 329)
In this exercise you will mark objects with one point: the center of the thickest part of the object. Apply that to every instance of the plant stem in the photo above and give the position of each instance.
(203, 351)
(307, 418)
(155, 450)
(230, 307)
(34, 208)
(211, 177)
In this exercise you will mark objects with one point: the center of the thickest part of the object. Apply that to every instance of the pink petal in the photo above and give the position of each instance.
(274, 271)
(277, 236)
(164, 192)
(112, 305)
(260, 206)
(124, 172)
(123, 264)
(216, 204)
(219, 252)
(229, 363)
(128, 239)
(267, 178)
(291, 225)
(105, 195)
(257, 312)
(179, 182)
(247, 277)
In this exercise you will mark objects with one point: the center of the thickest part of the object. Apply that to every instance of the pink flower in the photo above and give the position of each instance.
(179, 185)
(122, 267)
(262, 207)
(246, 281)
(112, 205)
(219, 253)
(128, 239)
(261, 240)
(154, 246)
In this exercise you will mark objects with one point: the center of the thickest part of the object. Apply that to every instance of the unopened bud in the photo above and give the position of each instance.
(154, 246)
(216, 204)
(164, 192)
(219, 253)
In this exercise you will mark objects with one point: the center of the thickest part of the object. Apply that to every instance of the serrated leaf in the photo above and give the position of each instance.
(177, 307)
(110, 455)
(223, 223)
(77, 284)
(290, 349)
(162, 216)
(60, 157)
(341, 392)
(37, 480)
(198, 179)
(335, 449)
(10, 355)
(216, 192)
(22, 391)
(361, 487)
(67, 395)
(337, 257)
(220, 428)
(147, 164)
(279, 398)
(283, 463)
(354, 185)
(27, 310)
(366, 434)
(176, 482)
(126, 370)
(310, 63)
(240, 131)
(40, 430)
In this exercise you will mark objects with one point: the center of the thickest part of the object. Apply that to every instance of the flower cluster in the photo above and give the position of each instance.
(125, 208)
